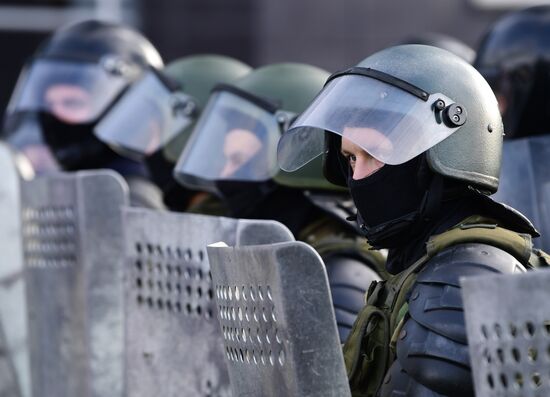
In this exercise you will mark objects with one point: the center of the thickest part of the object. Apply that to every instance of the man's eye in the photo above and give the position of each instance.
(352, 158)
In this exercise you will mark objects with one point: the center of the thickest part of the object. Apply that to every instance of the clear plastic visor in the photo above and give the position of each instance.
(74, 92)
(389, 123)
(148, 116)
(234, 139)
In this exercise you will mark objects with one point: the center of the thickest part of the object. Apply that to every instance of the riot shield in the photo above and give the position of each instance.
(508, 325)
(174, 345)
(277, 320)
(525, 182)
(72, 239)
(8, 378)
(14, 353)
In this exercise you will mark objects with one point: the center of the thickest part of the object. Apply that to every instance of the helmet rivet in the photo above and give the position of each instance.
(490, 128)
(458, 109)
(440, 104)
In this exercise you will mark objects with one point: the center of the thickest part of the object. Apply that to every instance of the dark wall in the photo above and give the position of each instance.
(184, 27)
(19, 46)
(328, 33)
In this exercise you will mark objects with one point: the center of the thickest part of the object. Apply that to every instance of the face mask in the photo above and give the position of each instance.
(244, 199)
(389, 202)
(74, 145)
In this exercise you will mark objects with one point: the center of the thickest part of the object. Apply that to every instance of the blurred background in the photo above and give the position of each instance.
(332, 34)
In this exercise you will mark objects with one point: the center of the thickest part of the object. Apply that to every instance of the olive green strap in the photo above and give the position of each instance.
(517, 244)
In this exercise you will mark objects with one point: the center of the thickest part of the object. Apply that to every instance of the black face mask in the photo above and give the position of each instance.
(74, 145)
(244, 199)
(391, 202)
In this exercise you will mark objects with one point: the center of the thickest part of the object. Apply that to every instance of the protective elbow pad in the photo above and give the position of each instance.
(349, 280)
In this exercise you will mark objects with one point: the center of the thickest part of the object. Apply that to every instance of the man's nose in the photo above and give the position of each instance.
(365, 167)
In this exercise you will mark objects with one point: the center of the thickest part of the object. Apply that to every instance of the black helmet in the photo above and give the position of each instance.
(514, 57)
(73, 78)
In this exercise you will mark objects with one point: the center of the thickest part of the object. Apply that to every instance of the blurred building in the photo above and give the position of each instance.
(328, 33)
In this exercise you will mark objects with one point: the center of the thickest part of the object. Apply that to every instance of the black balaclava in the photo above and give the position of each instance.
(74, 145)
(395, 202)
(175, 196)
(267, 200)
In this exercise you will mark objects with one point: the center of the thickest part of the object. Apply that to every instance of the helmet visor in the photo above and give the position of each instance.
(148, 116)
(390, 123)
(74, 92)
(234, 139)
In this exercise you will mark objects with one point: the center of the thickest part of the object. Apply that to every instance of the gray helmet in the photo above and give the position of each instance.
(399, 103)
(445, 42)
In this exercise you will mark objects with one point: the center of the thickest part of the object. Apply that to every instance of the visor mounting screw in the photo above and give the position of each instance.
(440, 104)
(455, 115)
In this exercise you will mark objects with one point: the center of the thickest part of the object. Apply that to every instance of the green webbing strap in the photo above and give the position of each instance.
(516, 244)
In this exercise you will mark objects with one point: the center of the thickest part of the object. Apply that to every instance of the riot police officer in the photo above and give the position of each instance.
(232, 153)
(153, 121)
(415, 134)
(65, 89)
(514, 58)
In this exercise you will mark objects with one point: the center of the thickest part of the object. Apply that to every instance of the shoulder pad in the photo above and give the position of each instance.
(398, 383)
(434, 361)
(345, 271)
(349, 281)
(435, 300)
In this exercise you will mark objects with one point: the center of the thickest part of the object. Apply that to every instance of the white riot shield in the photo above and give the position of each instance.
(73, 244)
(174, 345)
(525, 182)
(13, 318)
(508, 325)
(277, 320)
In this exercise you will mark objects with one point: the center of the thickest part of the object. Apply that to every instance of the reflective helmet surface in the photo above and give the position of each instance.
(514, 56)
(412, 99)
(444, 42)
(72, 80)
(252, 112)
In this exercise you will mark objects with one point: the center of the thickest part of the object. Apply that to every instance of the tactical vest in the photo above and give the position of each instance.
(371, 346)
